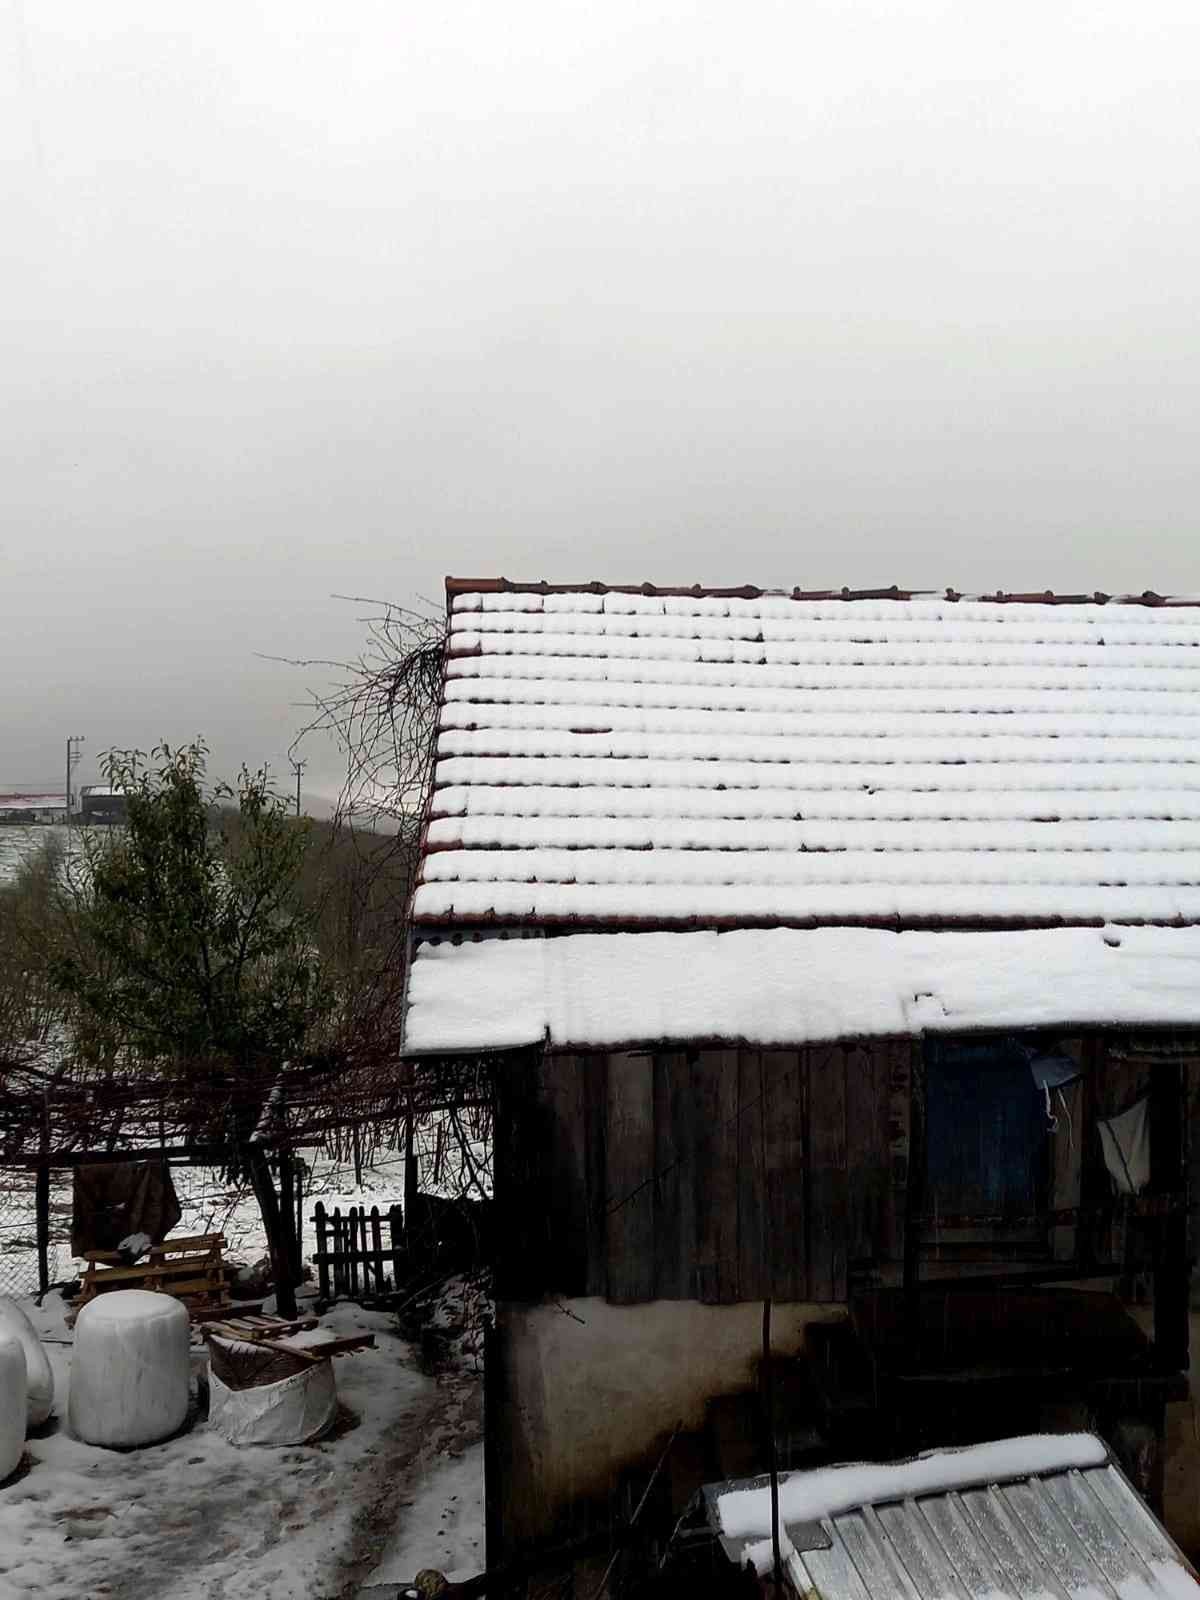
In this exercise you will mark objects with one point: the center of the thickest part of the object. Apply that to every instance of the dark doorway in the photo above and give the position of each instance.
(986, 1138)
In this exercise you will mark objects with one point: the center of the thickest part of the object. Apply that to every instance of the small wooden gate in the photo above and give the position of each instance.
(351, 1256)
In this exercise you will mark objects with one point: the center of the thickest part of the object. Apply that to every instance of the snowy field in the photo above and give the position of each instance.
(397, 1487)
(18, 843)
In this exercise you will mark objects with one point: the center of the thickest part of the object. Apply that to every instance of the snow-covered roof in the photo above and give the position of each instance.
(842, 792)
(767, 987)
(609, 758)
(33, 802)
(1020, 1518)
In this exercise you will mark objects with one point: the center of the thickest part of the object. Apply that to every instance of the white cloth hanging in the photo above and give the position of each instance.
(1126, 1143)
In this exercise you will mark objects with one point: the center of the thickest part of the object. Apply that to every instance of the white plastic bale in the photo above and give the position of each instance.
(12, 1402)
(296, 1410)
(130, 1369)
(38, 1373)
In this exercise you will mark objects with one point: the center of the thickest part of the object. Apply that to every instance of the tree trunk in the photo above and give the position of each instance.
(287, 1211)
(278, 1226)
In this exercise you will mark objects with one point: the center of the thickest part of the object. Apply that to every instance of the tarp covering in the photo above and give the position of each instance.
(112, 1201)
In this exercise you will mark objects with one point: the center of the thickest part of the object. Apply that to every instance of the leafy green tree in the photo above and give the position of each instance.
(191, 955)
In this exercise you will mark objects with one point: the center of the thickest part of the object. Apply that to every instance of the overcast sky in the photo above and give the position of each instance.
(303, 298)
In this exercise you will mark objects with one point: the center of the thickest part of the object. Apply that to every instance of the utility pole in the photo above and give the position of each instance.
(298, 767)
(73, 758)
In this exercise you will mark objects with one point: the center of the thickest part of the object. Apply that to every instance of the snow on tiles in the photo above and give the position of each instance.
(666, 759)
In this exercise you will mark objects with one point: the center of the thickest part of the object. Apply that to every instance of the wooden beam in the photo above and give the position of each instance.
(42, 1208)
(914, 1198)
(1095, 1206)
(201, 1155)
(715, 1193)
(631, 1185)
(1168, 1175)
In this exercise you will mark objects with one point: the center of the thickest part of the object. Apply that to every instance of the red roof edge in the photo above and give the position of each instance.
(699, 591)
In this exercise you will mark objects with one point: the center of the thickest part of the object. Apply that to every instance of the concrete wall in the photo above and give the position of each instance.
(590, 1389)
(1181, 1465)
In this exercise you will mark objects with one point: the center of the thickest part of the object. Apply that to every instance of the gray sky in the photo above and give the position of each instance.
(302, 298)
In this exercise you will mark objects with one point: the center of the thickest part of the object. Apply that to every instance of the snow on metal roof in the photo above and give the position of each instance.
(33, 802)
(1013, 1520)
(683, 758)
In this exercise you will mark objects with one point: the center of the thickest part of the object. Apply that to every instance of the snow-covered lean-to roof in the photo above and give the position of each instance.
(776, 817)
(1024, 1518)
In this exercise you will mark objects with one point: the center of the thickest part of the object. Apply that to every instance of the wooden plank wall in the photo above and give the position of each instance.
(717, 1175)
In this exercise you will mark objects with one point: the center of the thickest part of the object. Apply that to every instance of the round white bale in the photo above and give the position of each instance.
(12, 1402)
(129, 1371)
(39, 1378)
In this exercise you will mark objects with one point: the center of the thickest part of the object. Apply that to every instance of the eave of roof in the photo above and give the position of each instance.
(581, 924)
(782, 988)
(699, 591)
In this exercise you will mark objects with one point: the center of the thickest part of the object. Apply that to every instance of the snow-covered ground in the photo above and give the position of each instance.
(443, 1526)
(397, 1486)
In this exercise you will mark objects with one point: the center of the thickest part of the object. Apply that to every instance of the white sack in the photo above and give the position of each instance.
(130, 1368)
(12, 1402)
(296, 1410)
(39, 1377)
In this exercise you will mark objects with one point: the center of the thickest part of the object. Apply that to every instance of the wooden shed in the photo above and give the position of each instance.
(836, 950)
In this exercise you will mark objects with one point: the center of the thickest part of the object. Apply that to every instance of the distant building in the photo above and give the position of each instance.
(26, 808)
(101, 803)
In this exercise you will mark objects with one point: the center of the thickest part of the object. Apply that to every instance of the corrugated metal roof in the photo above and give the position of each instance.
(1075, 1534)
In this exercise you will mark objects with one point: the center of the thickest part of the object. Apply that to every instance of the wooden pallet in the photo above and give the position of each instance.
(192, 1268)
(270, 1331)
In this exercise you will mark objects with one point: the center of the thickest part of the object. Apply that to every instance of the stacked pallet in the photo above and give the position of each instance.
(274, 1333)
(191, 1268)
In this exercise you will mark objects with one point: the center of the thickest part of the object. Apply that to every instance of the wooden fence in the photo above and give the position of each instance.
(351, 1256)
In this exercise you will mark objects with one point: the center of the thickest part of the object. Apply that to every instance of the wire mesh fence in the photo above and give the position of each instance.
(18, 1233)
(451, 1153)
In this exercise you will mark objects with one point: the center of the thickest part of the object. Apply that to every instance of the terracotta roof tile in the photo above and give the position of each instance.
(637, 756)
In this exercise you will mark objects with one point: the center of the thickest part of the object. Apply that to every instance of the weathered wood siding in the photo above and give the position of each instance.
(715, 1175)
